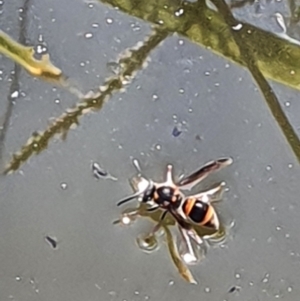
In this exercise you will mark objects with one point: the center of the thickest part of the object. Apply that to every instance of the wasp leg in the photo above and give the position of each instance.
(152, 208)
(193, 234)
(159, 224)
(189, 254)
(188, 182)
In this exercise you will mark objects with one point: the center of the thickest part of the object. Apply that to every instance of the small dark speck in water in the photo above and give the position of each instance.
(198, 138)
(176, 132)
(101, 173)
(51, 241)
(233, 289)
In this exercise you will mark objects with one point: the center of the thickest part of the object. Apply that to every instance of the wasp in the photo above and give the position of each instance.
(169, 196)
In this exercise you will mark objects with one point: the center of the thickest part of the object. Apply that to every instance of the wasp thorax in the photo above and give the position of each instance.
(166, 195)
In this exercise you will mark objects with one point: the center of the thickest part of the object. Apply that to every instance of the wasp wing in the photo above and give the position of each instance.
(188, 182)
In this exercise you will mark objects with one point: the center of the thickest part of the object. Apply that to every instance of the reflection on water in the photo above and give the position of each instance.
(131, 61)
(263, 53)
(147, 242)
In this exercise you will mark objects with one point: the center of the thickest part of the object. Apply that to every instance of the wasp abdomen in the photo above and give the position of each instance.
(198, 211)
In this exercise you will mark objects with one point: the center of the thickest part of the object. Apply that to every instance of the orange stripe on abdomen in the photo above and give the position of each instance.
(188, 205)
(208, 216)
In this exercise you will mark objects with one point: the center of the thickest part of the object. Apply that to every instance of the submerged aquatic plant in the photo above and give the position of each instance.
(130, 62)
(24, 55)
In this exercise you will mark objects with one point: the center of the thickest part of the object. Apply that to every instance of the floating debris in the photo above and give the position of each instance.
(51, 241)
(136, 164)
(101, 173)
(24, 56)
(63, 186)
(233, 289)
(176, 132)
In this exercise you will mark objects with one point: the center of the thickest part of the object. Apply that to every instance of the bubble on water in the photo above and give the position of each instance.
(135, 27)
(289, 289)
(126, 220)
(112, 293)
(207, 289)
(18, 278)
(290, 165)
(147, 242)
(287, 103)
(181, 42)
(154, 97)
(14, 94)
(158, 147)
(171, 282)
(189, 259)
(57, 101)
(237, 27)
(109, 20)
(63, 186)
(237, 276)
(179, 12)
(266, 278)
(88, 35)
(41, 49)
(181, 90)
(95, 25)
(269, 167)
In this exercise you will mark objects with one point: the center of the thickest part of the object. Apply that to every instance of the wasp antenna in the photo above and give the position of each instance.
(129, 198)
